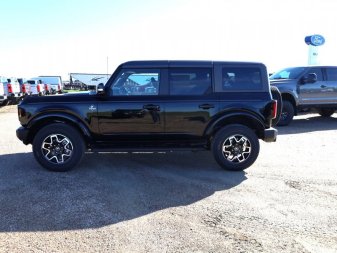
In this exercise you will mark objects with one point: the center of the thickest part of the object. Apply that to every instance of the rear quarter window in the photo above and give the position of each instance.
(241, 78)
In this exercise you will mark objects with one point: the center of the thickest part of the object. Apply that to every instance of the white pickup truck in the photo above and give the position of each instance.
(36, 87)
(11, 90)
(3, 96)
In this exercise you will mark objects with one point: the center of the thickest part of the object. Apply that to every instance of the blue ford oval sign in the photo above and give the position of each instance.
(314, 40)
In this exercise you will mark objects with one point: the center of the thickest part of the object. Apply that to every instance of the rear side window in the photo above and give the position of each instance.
(331, 74)
(241, 78)
(190, 81)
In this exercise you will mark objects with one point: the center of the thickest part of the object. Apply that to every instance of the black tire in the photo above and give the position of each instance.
(326, 112)
(58, 147)
(5, 102)
(10, 101)
(277, 96)
(287, 114)
(241, 144)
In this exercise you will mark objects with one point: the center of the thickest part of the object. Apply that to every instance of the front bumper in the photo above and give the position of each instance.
(270, 134)
(22, 134)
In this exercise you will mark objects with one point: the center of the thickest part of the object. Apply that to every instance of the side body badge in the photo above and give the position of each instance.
(92, 108)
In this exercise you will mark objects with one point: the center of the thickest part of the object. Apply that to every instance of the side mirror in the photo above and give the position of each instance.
(309, 78)
(100, 89)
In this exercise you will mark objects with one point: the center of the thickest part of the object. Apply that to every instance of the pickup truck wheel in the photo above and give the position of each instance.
(235, 147)
(5, 102)
(287, 114)
(326, 112)
(277, 96)
(58, 147)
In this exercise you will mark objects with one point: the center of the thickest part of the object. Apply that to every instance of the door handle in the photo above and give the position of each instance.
(206, 106)
(151, 107)
(323, 86)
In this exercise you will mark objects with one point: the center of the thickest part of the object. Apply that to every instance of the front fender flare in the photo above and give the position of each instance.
(60, 117)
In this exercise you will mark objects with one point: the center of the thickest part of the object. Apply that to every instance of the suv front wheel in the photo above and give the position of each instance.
(58, 147)
(235, 147)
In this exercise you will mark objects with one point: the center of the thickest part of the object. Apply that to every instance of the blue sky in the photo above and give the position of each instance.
(57, 37)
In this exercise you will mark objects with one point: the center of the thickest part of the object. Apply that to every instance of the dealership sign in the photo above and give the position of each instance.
(314, 40)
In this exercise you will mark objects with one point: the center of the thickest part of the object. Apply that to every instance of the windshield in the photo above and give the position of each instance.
(288, 73)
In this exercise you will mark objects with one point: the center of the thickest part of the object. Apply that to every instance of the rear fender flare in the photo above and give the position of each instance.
(244, 118)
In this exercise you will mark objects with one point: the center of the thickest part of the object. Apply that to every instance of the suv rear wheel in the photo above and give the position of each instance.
(58, 147)
(235, 147)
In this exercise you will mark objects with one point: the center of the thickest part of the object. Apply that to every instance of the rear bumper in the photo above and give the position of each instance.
(22, 134)
(270, 134)
(16, 95)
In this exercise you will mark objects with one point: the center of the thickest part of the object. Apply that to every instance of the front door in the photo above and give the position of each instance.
(313, 93)
(132, 105)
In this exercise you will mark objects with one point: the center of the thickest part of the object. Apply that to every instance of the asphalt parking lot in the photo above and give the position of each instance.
(175, 202)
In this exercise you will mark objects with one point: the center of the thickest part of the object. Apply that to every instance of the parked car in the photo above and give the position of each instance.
(36, 87)
(307, 88)
(223, 107)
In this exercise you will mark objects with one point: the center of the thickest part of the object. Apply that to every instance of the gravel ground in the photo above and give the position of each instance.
(175, 202)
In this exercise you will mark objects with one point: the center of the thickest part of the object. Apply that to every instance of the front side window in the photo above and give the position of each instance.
(241, 78)
(331, 74)
(288, 73)
(318, 72)
(190, 81)
(136, 82)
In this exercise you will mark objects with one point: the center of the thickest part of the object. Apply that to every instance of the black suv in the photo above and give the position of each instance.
(224, 107)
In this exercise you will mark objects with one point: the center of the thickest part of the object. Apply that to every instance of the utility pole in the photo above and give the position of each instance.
(107, 65)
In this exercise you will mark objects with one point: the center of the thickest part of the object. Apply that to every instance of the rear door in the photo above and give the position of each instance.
(331, 83)
(191, 102)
